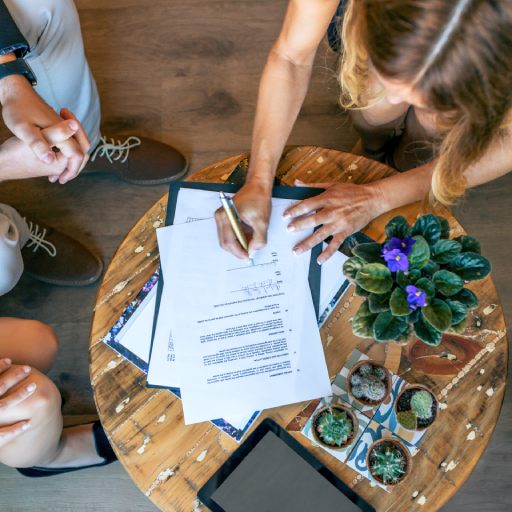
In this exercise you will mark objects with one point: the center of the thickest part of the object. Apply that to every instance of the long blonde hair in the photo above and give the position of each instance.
(456, 53)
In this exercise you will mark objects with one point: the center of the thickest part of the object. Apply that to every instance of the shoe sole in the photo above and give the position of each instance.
(57, 282)
(160, 181)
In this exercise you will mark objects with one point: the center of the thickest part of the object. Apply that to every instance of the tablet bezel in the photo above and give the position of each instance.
(268, 425)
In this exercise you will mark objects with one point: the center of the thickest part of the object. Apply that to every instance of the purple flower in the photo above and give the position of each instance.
(416, 298)
(396, 260)
(403, 245)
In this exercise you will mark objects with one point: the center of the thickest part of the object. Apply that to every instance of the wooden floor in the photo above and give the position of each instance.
(186, 73)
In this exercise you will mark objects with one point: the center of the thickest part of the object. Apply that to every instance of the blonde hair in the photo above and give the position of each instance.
(456, 53)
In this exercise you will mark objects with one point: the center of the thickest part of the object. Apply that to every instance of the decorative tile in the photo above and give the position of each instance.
(357, 458)
(340, 386)
(341, 455)
(386, 416)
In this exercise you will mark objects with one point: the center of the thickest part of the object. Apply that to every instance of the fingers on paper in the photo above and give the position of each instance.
(333, 246)
(227, 237)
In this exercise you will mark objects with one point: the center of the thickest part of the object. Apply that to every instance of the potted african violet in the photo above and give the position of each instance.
(334, 426)
(388, 461)
(416, 407)
(413, 283)
(369, 383)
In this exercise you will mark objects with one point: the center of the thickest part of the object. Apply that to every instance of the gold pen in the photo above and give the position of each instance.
(234, 220)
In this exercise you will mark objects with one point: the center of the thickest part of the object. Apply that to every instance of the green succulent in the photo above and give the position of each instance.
(438, 269)
(334, 427)
(388, 463)
(368, 383)
(408, 419)
(421, 404)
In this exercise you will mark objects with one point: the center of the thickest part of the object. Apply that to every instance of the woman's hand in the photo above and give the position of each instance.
(14, 389)
(340, 211)
(253, 203)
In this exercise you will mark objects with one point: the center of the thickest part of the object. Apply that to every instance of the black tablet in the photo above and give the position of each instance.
(271, 472)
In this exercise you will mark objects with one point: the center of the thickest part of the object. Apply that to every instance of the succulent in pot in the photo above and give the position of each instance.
(388, 461)
(369, 383)
(413, 283)
(334, 426)
(416, 407)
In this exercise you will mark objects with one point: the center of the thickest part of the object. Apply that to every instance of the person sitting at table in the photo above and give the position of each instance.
(427, 83)
(50, 140)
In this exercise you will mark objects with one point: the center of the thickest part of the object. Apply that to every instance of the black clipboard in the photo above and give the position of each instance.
(282, 192)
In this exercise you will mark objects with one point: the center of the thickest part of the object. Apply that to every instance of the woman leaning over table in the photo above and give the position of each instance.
(428, 85)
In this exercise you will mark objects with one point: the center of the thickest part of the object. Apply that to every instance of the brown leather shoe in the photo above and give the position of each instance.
(137, 160)
(55, 258)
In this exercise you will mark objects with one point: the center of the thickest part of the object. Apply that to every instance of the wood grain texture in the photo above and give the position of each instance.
(170, 461)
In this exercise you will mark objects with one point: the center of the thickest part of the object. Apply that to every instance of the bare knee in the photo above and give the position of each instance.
(47, 343)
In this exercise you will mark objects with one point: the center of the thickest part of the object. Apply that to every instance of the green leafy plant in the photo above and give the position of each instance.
(334, 426)
(387, 463)
(414, 281)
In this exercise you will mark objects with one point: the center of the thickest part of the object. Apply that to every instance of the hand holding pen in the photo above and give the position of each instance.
(241, 246)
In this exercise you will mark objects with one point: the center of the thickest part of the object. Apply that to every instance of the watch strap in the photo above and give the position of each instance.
(18, 67)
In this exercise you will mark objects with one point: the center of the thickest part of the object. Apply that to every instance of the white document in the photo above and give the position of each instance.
(245, 336)
(136, 333)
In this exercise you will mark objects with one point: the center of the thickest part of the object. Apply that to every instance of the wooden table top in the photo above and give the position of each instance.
(170, 462)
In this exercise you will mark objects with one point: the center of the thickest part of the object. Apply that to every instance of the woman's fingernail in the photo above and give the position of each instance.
(286, 215)
(73, 125)
(298, 250)
(291, 228)
(48, 158)
(7, 361)
(31, 388)
(27, 369)
(25, 426)
(320, 261)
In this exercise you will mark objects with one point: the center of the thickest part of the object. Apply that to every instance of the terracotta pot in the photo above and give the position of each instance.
(417, 386)
(355, 426)
(397, 444)
(355, 368)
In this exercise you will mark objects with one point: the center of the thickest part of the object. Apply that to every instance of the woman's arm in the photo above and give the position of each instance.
(345, 208)
(282, 90)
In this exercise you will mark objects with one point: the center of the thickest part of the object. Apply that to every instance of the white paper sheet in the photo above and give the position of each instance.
(136, 334)
(237, 346)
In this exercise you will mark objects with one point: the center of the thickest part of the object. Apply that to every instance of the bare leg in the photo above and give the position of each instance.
(44, 443)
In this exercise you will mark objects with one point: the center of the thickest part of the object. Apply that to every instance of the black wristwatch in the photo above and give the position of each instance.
(17, 67)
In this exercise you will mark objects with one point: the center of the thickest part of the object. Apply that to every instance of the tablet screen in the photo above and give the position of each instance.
(273, 477)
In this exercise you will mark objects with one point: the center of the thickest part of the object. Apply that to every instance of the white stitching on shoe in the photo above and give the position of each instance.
(37, 239)
(109, 149)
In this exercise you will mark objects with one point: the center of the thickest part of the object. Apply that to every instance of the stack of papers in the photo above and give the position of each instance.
(235, 337)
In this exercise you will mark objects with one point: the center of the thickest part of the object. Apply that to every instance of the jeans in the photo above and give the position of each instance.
(57, 57)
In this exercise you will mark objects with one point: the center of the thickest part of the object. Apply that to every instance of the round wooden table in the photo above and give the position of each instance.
(169, 461)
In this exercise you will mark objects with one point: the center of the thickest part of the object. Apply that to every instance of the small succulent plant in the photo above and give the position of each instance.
(420, 412)
(388, 463)
(368, 383)
(371, 388)
(421, 404)
(334, 427)
(408, 419)
(414, 281)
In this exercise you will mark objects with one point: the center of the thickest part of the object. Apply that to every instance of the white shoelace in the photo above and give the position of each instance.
(37, 239)
(115, 150)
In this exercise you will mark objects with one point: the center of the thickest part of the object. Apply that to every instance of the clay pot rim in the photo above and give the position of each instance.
(416, 386)
(388, 382)
(405, 451)
(355, 425)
